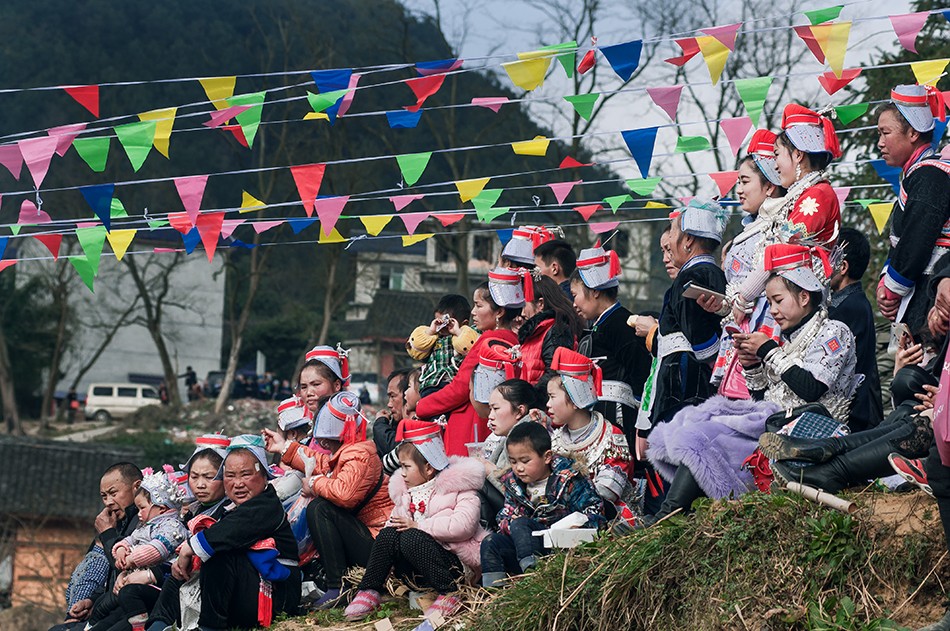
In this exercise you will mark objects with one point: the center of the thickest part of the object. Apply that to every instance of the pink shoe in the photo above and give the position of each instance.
(365, 603)
(445, 604)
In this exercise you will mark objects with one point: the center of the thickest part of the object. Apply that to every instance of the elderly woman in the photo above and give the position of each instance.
(246, 559)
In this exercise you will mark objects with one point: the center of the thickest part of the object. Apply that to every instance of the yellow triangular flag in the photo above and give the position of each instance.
(528, 74)
(880, 214)
(833, 41)
(120, 240)
(412, 239)
(335, 236)
(536, 147)
(928, 72)
(218, 89)
(374, 224)
(715, 53)
(535, 54)
(249, 203)
(469, 189)
(656, 205)
(164, 121)
(310, 116)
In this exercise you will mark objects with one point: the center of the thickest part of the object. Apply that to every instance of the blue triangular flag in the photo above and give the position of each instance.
(330, 80)
(99, 197)
(624, 58)
(640, 142)
(426, 68)
(3, 245)
(946, 15)
(191, 240)
(505, 235)
(237, 243)
(940, 128)
(299, 225)
(403, 119)
(891, 174)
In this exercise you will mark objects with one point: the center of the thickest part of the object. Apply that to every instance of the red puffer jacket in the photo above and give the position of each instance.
(540, 336)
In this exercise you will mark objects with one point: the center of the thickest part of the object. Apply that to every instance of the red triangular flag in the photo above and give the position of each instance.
(329, 210)
(808, 37)
(587, 211)
(209, 227)
(725, 180)
(423, 88)
(181, 222)
(238, 134)
(7, 263)
(191, 189)
(832, 84)
(51, 241)
(87, 96)
(690, 49)
(562, 189)
(569, 163)
(308, 178)
(447, 219)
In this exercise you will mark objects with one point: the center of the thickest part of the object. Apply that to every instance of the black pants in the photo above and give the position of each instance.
(411, 553)
(132, 600)
(341, 539)
(938, 477)
(167, 608)
(229, 590)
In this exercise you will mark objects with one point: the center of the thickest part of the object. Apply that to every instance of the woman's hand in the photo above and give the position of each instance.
(181, 568)
(402, 523)
(907, 356)
(926, 398)
(938, 321)
(640, 451)
(274, 442)
(710, 303)
(644, 324)
(121, 581)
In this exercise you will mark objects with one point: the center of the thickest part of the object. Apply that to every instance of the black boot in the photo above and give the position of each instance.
(683, 491)
(781, 447)
(854, 467)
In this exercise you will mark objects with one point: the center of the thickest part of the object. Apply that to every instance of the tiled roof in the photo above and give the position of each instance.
(394, 314)
(40, 478)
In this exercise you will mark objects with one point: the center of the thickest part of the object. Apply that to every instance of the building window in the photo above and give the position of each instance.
(620, 243)
(482, 246)
(391, 277)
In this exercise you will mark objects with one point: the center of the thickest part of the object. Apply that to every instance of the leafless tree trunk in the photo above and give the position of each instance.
(7, 391)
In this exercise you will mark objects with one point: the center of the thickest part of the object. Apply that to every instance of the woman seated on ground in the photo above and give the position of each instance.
(702, 449)
(550, 322)
(248, 556)
(350, 503)
(512, 402)
(325, 372)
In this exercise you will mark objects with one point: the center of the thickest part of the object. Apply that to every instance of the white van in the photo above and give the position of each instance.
(105, 401)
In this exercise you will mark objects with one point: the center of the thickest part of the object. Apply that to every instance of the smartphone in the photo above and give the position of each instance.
(732, 329)
(695, 291)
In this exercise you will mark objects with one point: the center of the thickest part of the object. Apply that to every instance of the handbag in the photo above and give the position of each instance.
(782, 418)
(941, 421)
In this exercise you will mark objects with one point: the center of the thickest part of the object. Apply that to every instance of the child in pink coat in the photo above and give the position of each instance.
(434, 532)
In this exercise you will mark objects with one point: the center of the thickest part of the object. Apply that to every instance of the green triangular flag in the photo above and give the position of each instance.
(847, 114)
(487, 214)
(136, 139)
(117, 210)
(867, 202)
(91, 240)
(249, 119)
(644, 186)
(566, 59)
(15, 229)
(753, 93)
(85, 270)
(412, 165)
(819, 16)
(583, 103)
(157, 223)
(487, 198)
(94, 151)
(322, 101)
(617, 201)
(687, 144)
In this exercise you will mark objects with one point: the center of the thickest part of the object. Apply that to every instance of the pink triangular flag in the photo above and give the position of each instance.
(725, 180)
(191, 189)
(220, 117)
(600, 227)
(4, 264)
(30, 214)
(87, 224)
(166, 250)
(412, 220)
(401, 201)
(587, 211)
(228, 226)
(51, 241)
(667, 99)
(447, 219)
(725, 34)
(908, 26)
(264, 226)
(347, 100)
(66, 134)
(329, 210)
(686, 200)
(181, 222)
(562, 189)
(209, 227)
(736, 129)
(37, 152)
(493, 103)
(842, 193)
(10, 158)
